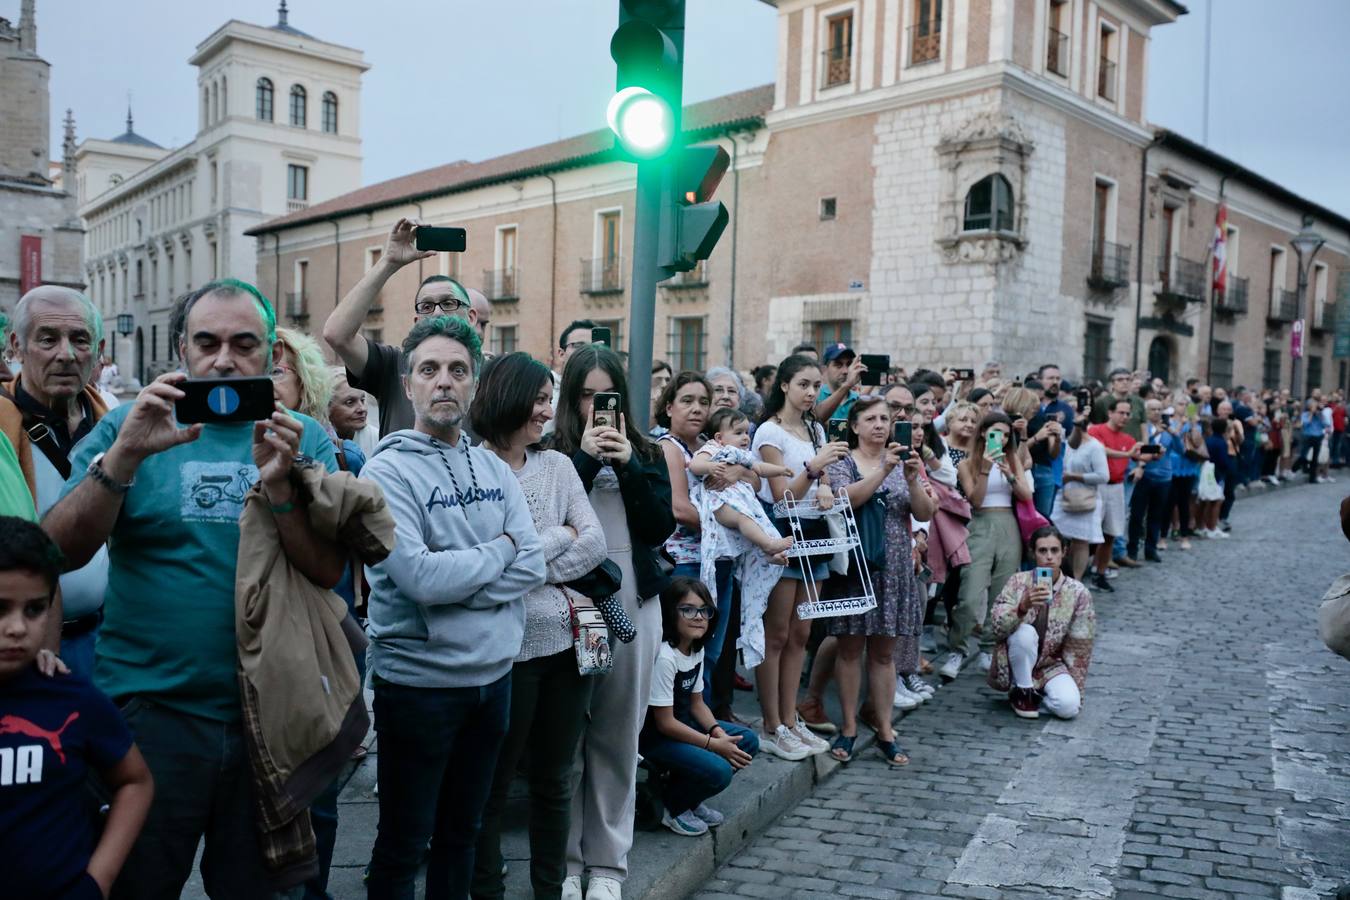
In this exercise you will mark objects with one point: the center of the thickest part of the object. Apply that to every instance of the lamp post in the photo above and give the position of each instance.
(1306, 244)
(126, 324)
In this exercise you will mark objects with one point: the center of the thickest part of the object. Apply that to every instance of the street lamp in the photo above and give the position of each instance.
(126, 324)
(1306, 244)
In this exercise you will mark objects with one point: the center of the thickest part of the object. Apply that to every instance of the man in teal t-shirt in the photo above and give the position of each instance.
(167, 500)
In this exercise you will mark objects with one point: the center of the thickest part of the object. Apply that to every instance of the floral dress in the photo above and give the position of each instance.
(900, 604)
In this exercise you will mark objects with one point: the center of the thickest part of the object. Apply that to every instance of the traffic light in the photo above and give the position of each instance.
(691, 221)
(648, 50)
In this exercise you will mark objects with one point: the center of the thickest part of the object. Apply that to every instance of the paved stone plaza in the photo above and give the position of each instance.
(1209, 761)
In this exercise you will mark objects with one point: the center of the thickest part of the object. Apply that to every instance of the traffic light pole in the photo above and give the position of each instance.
(646, 273)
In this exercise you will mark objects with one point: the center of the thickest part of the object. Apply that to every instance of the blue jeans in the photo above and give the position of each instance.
(438, 751)
(1118, 545)
(1043, 497)
(78, 653)
(1148, 514)
(695, 774)
(712, 648)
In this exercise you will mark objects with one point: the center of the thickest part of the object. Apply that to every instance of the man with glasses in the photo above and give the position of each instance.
(374, 367)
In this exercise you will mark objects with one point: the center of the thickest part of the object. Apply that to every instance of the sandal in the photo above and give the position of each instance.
(894, 756)
(843, 742)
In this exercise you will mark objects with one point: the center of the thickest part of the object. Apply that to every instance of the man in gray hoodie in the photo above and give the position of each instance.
(446, 619)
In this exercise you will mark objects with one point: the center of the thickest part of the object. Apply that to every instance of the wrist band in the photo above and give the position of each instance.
(709, 743)
(282, 508)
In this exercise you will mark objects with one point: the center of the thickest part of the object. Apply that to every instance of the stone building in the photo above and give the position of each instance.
(40, 233)
(278, 129)
(947, 181)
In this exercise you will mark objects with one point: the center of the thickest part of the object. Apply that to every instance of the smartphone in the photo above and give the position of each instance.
(605, 409)
(837, 430)
(964, 374)
(1155, 449)
(221, 400)
(878, 364)
(601, 335)
(1045, 577)
(449, 240)
(1084, 401)
(903, 434)
(993, 445)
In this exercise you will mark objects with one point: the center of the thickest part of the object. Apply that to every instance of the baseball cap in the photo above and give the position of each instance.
(836, 350)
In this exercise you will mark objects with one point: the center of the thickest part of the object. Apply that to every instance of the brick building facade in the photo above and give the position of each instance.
(948, 182)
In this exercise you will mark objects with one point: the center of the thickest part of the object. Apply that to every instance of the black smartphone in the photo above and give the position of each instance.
(837, 430)
(605, 409)
(964, 374)
(601, 335)
(878, 364)
(449, 240)
(1154, 449)
(216, 400)
(903, 434)
(1084, 401)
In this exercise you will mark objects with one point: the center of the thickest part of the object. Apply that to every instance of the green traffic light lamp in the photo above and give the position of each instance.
(642, 121)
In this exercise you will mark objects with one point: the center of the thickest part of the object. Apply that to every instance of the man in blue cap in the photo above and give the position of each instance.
(842, 370)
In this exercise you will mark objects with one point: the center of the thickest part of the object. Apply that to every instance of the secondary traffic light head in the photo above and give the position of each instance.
(695, 220)
(647, 50)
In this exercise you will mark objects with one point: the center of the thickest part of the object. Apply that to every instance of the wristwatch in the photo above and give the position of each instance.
(97, 472)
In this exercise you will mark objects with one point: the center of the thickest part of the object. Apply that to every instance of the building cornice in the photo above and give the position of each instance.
(277, 40)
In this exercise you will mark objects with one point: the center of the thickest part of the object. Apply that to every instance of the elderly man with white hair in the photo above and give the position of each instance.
(57, 339)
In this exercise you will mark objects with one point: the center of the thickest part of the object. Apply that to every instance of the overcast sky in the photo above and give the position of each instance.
(468, 79)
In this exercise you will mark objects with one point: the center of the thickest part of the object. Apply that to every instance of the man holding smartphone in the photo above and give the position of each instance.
(1153, 485)
(170, 499)
(373, 367)
(1121, 447)
(843, 370)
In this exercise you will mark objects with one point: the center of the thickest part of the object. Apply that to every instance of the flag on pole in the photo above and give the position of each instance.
(1221, 249)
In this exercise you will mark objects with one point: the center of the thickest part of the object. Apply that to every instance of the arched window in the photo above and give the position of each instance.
(329, 112)
(206, 105)
(224, 98)
(989, 205)
(297, 106)
(265, 99)
(215, 101)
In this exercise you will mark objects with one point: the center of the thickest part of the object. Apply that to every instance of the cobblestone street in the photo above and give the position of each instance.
(1209, 761)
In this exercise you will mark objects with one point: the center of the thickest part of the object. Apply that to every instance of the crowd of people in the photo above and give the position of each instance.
(533, 583)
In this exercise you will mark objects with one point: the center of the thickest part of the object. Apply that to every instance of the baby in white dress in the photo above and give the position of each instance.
(736, 507)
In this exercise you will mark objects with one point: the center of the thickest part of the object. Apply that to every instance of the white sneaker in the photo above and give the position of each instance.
(1221, 534)
(904, 699)
(812, 742)
(951, 666)
(686, 824)
(915, 684)
(784, 745)
(928, 641)
(571, 887)
(710, 816)
(1112, 573)
(602, 887)
(985, 661)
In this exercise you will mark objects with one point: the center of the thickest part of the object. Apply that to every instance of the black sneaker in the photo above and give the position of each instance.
(1100, 583)
(1153, 557)
(1026, 702)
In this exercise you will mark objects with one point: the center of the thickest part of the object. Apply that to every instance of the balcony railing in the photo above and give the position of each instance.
(602, 275)
(1324, 319)
(925, 42)
(694, 278)
(836, 66)
(1233, 300)
(1057, 52)
(1183, 281)
(501, 284)
(1106, 79)
(1283, 306)
(1110, 266)
(297, 305)
(296, 205)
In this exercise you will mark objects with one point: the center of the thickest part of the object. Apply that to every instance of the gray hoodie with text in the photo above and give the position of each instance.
(447, 606)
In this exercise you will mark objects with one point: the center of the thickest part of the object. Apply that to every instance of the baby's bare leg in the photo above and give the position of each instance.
(750, 530)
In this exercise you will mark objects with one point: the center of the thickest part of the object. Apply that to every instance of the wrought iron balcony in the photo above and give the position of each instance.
(1110, 266)
(501, 284)
(925, 42)
(695, 278)
(1283, 306)
(1183, 281)
(1233, 300)
(836, 66)
(1324, 319)
(1106, 79)
(1057, 52)
(297, 306)
(602, 275)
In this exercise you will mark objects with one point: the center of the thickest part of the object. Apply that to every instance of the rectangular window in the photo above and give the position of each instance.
(1314, 372)
(505, 339)
(1318, 293)
(507, 239)
(1221, 372)
(828, 208)
(154, 343)
(1101, 208)
(615, 327)
(1057, 40)
(1106, 65)
(610, 234)
(1097, 348)
(1271, 366)
(297, 182)
(688, 337)
(140, 277)
(837, 64)
(1277, 278)
(832, 331)
(215, 179)
(925, 35)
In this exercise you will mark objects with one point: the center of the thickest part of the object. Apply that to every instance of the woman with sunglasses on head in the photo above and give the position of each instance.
(626, 479)
(881, 472)
(993, 479)
(549, 696)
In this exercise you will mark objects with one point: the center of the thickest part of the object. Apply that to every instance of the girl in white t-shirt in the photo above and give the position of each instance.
(699, 753)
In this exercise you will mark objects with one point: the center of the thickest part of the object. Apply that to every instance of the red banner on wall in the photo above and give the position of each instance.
(30, 262)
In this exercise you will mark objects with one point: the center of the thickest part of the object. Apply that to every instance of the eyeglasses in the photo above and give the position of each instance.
(577, 345)
(448, 305)
(904, 408)
(280, 370)
(694, 612)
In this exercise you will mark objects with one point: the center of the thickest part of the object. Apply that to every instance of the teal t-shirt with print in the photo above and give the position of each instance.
(168, 629)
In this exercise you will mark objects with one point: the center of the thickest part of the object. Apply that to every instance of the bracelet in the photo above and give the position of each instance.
(283, 508)
(709, 742)
(810, 475)
(100, 475)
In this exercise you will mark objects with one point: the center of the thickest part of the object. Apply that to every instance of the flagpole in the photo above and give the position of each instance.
(1213, 293)
(1209, 30)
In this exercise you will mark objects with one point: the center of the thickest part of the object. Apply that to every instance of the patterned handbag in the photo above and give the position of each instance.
(590, 639)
